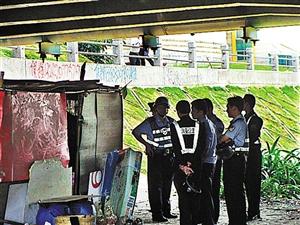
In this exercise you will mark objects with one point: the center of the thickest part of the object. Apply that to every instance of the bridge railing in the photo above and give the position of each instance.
(190, 56)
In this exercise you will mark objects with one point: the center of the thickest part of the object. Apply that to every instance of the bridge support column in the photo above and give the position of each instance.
(274, 61)
(118, 50)
(73, 55)
(250, 59)
(158, 53)
(18, 52)
(225, 57)
(192, 54)
(295, 63)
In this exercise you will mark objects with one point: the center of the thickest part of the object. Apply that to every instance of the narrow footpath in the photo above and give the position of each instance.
(272, 212)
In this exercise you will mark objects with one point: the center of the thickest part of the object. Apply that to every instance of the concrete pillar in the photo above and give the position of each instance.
(118, 50)
(192, 54)
(250, 59)
(18, 52)
(158, 53)
(295, 62)
(275, 61)
(225, 57)
(73, 55)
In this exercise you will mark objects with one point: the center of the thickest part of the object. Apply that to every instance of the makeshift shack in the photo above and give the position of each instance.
(78, 122)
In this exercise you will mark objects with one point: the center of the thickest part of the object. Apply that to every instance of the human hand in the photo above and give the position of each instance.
(149, 150)
(186, 169)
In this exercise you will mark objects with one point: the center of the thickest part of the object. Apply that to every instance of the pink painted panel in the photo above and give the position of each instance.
(35, 127)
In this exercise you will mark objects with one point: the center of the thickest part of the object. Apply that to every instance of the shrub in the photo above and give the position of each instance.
(280, 172)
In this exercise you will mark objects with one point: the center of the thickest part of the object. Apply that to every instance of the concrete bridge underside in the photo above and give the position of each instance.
(25, 22)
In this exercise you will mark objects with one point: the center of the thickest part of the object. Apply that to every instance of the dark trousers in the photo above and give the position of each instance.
(160, 176)
(145, 52)
(234, 178)
(253, 180)
(206, 201)
(216, 184)
(189, 202)
(134, 61)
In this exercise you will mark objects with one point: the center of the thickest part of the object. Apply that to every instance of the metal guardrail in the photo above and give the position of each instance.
(224, 59)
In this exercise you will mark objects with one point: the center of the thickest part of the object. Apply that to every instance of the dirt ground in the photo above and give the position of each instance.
(272, 212)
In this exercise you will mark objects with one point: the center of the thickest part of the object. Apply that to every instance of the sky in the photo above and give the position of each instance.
(288, 36)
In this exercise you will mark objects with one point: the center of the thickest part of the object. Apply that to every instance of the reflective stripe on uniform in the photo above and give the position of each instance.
(152, 143)
(188, 150)
(162, 138)
(162, 130)
(168, 145)
(187, 131)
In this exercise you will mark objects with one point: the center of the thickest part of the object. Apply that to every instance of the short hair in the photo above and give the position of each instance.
(200, 104)
(250, 99)
(208, 103)
(183, 106)
(236, 101)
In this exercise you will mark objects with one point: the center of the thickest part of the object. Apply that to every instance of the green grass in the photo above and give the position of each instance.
(280, 172)
(34, 55)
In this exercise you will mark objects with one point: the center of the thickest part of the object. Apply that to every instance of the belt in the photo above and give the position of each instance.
(241, 149)
(240, 154)
(164, 152)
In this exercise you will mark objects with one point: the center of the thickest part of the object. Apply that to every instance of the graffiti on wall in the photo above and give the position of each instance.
(54, 71)
(115, 74)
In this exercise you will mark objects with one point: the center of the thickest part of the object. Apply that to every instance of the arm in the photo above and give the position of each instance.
(143, 128)
(225, 138)
(148, 147)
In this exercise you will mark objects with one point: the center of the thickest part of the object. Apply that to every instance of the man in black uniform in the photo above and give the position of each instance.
(253, 170)
(188, 138)
(216, 178)
(199, 111)
(234, 168)
(159, 150)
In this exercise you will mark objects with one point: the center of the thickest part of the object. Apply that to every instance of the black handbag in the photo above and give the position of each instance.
(224, 150)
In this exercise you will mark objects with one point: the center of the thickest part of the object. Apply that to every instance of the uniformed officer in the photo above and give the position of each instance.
(234, 168)
(159, 152)
(199, 111)
(188, 140)
(253, 169)
(216, 178)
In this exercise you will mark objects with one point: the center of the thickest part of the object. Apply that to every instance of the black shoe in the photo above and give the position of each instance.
(170, 216)
(159, 218)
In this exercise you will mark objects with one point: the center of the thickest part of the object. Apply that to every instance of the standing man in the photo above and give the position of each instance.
(199, 111)
(216, 179)
(144, 51)
(234, 168)
(253, 170)
(159, 150)
(188, 140)
(134, 50)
